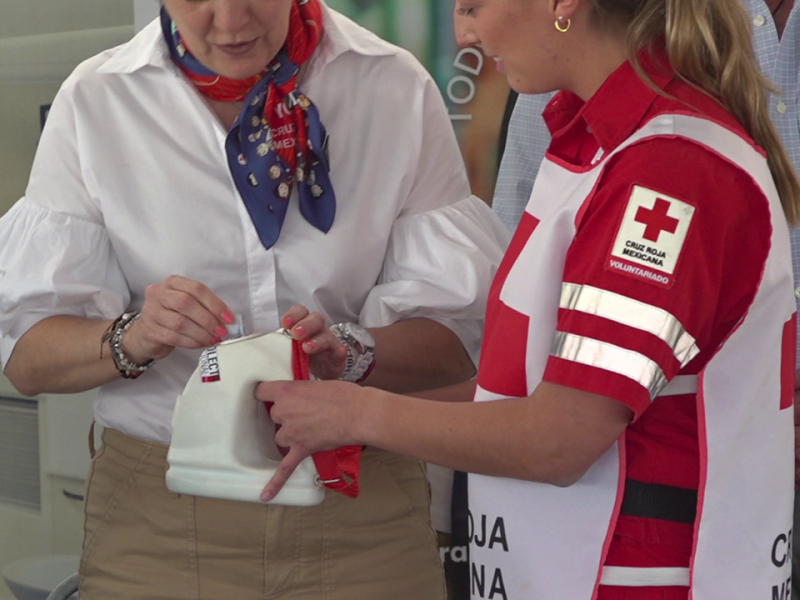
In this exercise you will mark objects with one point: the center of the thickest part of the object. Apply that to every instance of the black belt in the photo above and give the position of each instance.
(656, 501)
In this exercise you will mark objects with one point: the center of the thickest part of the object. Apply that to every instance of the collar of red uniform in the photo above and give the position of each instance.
(617, 108)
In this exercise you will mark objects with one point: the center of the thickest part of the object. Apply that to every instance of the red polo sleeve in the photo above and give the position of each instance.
(666, 259)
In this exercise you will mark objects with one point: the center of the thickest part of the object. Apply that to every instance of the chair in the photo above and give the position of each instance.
(66, 588)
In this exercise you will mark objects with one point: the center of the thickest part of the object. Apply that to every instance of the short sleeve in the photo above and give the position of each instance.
(439, 264)
(445, 244)
(54, 264)
(55, 254)
(664, 264)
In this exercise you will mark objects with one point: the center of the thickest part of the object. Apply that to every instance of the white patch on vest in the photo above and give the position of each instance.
(651, 236)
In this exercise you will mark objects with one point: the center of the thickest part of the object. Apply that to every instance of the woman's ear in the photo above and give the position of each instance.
(565, 8)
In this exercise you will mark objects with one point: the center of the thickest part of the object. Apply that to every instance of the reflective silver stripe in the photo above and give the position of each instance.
(611, 358)
(681, 384)
(645, 577)
(632, 313)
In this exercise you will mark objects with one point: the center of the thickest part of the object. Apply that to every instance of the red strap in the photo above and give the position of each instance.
(338, 469)
(300, 368)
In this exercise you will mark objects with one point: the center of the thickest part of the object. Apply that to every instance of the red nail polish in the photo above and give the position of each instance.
(227, 317)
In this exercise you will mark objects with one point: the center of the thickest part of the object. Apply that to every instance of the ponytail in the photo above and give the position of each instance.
(709, 46)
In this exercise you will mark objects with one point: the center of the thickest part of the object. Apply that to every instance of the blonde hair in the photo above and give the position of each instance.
(709, 45)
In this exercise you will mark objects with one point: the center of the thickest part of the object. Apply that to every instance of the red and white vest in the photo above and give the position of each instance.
(531, 541)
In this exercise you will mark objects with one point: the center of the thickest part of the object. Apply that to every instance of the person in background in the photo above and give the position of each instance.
(235, 158)
(775, 26)
(527, 139)
(632, 426)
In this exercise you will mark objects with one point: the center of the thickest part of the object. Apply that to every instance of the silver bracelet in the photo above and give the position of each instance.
(114, 336)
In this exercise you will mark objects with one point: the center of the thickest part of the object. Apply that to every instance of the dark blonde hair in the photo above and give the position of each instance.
(709, 45)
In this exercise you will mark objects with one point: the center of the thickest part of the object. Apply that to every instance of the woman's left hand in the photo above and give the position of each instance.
(314, 416)
(327, 355)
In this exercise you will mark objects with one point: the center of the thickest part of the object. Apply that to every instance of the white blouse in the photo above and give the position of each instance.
(130, 184)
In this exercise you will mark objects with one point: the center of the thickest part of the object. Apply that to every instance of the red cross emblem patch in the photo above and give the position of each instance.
(650, 237)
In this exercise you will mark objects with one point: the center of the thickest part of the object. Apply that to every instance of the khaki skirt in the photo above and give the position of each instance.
(143, 542)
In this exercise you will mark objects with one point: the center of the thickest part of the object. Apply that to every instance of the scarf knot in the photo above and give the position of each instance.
(278, 141)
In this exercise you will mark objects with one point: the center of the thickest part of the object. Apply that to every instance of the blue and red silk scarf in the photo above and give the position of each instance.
(278, 139)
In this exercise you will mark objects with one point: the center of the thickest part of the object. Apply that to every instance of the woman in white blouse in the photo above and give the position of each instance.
(234, 159)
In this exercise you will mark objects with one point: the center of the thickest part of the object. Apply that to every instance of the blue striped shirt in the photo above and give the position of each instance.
(528, 136)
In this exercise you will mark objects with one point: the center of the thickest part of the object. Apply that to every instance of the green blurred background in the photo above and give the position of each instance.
(422, 26)
(474, 92)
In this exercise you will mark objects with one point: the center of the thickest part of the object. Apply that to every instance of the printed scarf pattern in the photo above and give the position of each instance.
(278, 139)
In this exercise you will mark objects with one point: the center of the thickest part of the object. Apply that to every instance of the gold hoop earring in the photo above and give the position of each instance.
(561, 27)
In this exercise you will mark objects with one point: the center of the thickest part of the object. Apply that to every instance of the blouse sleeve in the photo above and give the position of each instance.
(54, 264)
(55, 254)
(445, 245)
(439, 264)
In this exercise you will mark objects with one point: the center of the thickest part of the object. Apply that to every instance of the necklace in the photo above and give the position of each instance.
(777, 8)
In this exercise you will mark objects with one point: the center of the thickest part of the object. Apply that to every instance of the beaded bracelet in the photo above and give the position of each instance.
(114, 336)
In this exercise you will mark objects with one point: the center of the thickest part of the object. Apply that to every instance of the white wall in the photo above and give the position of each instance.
(57, 528)
(41, 41)
(144, 11)
(34, 17)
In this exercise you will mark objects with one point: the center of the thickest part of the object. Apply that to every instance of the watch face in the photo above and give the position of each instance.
(359, 334)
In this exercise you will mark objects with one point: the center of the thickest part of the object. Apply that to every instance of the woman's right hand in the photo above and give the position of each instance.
(326, 353)
(177, 313)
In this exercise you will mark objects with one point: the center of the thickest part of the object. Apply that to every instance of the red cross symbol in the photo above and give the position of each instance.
(656, 220)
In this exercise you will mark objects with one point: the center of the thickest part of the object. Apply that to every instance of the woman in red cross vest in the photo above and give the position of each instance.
(631, 430)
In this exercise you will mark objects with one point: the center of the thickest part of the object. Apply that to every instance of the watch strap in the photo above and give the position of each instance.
(359, 363)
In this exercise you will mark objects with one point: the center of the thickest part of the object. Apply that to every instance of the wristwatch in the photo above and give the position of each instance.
(360, 350)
